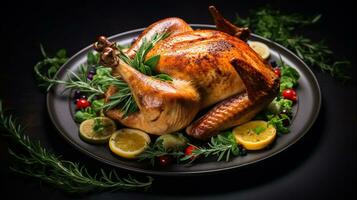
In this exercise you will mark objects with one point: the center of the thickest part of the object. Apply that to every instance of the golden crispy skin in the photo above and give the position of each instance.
(172, 25)
(262, 87)
(164, 107)
(209, 68)
(203, 57)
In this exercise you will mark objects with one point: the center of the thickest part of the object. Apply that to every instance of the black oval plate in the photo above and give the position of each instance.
(60, 108)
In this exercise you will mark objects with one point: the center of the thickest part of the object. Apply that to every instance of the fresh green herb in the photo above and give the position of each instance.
(156, 150)
(98, 125)
(35, 161)
(93, 58)
(103, 78)
(152, 62)
(278, 122)
(124, 98)
(280, 104)
(97, 105)
(74, 82)
(82, 115)
(97, 87)
(279, 109)
(49, 66)
(282, 28)
(138, 62)
(257, 130)
(221, 146)
(289, 76)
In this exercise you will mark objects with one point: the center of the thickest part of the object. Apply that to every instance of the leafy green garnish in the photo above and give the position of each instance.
(138, 62)
(278, 122)
(147, 67)
(82, 115)
(124, 98)
(49, 66)
(222, 146)
(152, 62)
(98, 125)
(75, 81)
(97, 104)
(280, 104)
(93, 58)
(257, 130)
(35, 161)
(277, 111)
(282, 28)
(289, 76)
(156, 150)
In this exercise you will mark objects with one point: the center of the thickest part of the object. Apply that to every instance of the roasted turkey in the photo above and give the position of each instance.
(213, 70)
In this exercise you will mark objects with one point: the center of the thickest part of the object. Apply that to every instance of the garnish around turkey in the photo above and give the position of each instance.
(182, 94)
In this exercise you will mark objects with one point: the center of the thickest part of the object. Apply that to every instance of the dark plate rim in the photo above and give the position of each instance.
(198, 172)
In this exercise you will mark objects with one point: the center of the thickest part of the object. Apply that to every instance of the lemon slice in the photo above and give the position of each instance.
(97, 130)
(255, 135)
(128, 143)
(260, 48)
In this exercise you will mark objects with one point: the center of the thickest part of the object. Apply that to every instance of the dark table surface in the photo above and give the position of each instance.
(321, 165)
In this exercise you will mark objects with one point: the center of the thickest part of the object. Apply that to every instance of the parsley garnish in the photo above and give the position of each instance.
(257, 130)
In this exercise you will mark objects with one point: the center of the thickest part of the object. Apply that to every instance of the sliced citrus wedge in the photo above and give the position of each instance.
(260, 48)
(97, 130)
(255, 135)
(128, 143)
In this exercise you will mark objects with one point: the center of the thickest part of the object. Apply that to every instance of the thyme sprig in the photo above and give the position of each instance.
(35, 161)
(279, 27)
(222, 146)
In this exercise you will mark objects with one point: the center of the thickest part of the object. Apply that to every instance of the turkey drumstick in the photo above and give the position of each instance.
(262, 87)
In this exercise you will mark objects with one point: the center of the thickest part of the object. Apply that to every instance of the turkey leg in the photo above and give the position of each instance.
(164, 107)
(262, 86)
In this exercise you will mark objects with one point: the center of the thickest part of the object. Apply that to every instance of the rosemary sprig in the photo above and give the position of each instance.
(138, 62)
(279, 27)
(101, 81)
(222, 146)
(156, 150)
(74, 81)
(37, 162)
(124, 98)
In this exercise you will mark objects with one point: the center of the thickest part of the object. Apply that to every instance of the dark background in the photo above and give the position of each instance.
(321, 165)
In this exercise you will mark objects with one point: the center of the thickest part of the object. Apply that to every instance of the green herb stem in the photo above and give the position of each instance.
(221, 146)
(281, 28)
(39, 163)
